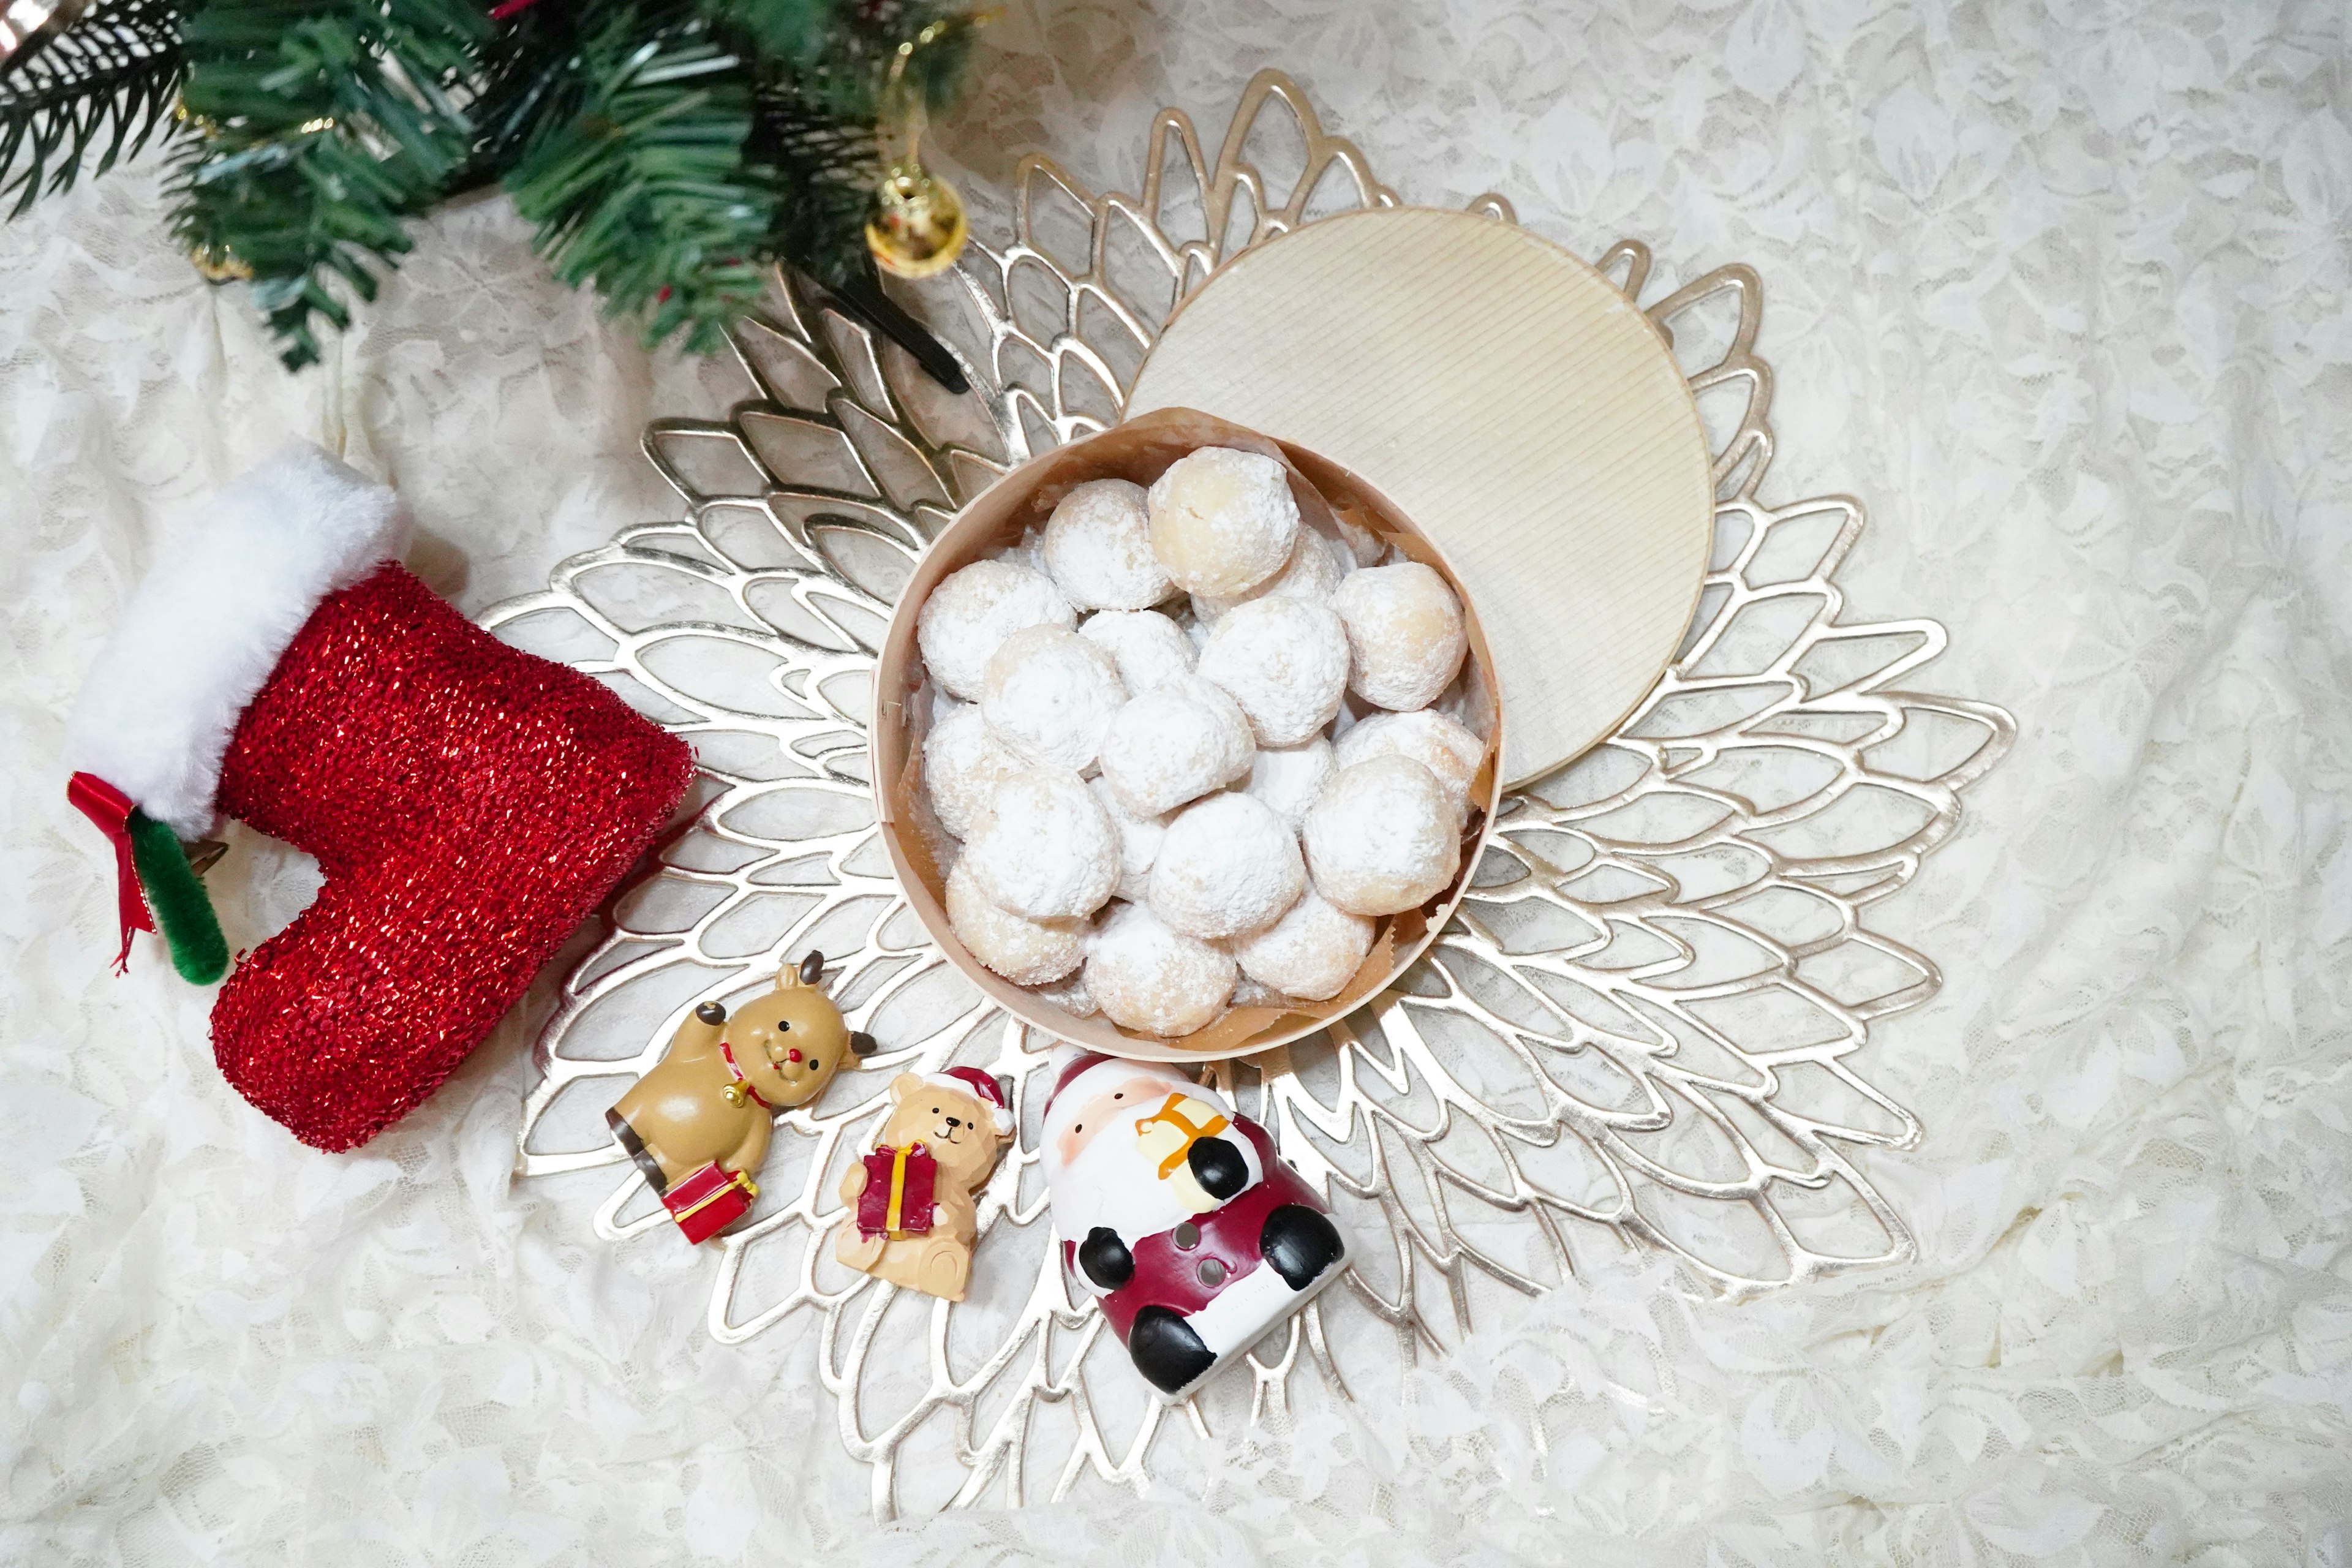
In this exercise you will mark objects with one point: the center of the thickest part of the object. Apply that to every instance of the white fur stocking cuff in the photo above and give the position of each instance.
(216, 611)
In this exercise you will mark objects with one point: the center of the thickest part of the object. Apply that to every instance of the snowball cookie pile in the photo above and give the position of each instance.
(1135, 748)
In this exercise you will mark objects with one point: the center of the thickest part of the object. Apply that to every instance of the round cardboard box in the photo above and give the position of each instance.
(1139, 451)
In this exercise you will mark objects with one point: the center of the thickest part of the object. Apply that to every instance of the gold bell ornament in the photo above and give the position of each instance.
(917, 227)
(217, 264)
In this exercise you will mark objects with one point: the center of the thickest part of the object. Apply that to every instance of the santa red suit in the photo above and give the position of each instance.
(1179, 1216)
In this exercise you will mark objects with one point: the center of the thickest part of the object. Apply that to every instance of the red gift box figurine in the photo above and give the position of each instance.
(897, 1199)
(913, 1216)
(710, 1200)
(1178, 1216)
(697, 1125)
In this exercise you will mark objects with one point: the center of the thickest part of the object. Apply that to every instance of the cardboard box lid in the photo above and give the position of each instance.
(1509, 399)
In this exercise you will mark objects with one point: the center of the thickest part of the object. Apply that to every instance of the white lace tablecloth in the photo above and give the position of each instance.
(2060, 290)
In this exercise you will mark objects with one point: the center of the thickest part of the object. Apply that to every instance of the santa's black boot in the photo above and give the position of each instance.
(1300, 1244)
(1166, 1349)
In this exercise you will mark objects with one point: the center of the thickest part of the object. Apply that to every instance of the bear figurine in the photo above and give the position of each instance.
(697, 1125)
(913, 1218)
(1178, 1216)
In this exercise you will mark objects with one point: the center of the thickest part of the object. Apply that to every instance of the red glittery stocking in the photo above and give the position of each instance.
(468, 803)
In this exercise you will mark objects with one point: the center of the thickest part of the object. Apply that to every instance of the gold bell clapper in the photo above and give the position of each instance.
(917, 227)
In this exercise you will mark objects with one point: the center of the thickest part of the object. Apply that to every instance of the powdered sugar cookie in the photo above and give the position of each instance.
(1317, 564)
(1098, 548)
(1173, 743)
(1070, 994)
(1365, 547)
(1446, 748)
(1044, 847)
(1227, 865)
(1406, 631)
(973, 611)
(1139, 840)
(1312, 952)
(962, 765)
(1284, 661)
(1049, 695)
(1289, 778)
(1026, 951)
(1147, 977)
(1223, 519)
(1383, 837)
(1151, 650)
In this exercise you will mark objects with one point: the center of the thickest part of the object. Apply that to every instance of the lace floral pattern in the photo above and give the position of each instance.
(2061, 292)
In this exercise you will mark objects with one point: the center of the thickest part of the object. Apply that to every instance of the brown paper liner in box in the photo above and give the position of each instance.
(1140, 451)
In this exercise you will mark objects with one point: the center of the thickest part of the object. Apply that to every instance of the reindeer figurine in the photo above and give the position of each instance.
(697, 1125)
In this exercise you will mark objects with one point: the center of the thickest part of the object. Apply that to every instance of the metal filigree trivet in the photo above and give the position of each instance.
(1639, 1031)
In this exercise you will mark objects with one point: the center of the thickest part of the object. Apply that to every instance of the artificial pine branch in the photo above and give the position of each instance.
(644, 190)
(817, 113)
(825, 169)
(835, 55)
(668, 149)
(533, 75)
(325, 126)
(108, 82)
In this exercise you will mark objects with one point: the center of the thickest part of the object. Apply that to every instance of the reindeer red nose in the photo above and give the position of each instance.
(793, 1056)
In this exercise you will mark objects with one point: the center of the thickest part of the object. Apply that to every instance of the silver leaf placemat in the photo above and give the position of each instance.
(1641, 1031)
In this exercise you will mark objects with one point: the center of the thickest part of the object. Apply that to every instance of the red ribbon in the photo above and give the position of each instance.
(111, 809)
(500, 13)
(744, 1083)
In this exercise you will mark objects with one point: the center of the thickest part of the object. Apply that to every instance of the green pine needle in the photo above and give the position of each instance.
(835, 56)
(327, 126)
(643, 191)
(102, 87)
(826, 170)
(176, 897)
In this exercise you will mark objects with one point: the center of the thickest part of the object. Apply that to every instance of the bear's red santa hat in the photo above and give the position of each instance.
(981, 1087)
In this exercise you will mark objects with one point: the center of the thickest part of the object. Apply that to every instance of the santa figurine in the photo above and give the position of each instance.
(1178, 1216)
